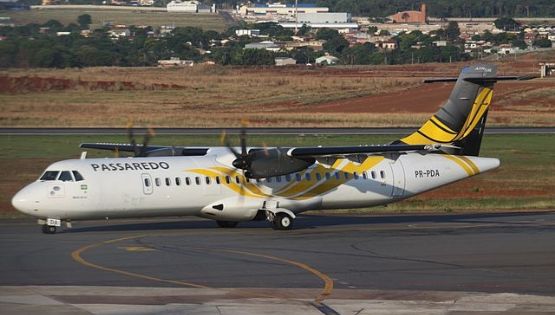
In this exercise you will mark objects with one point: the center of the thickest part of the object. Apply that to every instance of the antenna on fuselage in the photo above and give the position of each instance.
(83, 155)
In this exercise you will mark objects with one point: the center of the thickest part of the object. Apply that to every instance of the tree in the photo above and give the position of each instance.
(372, 29)
(336, 45)
(506, 24)
(452, 31)
(543, 43)
(304, 30)
(327, 34)
(84, 20)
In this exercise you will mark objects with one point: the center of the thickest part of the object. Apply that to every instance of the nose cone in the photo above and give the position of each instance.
(23, 202)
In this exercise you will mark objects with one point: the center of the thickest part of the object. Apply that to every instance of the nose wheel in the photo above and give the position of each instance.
(282, 221)
(48, 229)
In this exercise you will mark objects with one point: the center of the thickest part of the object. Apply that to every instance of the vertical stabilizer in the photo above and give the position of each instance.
(461, 120)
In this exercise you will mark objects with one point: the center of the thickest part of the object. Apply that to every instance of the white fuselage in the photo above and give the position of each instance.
(210, 187)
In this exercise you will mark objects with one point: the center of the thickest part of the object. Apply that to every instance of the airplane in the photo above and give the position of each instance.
(237, 184)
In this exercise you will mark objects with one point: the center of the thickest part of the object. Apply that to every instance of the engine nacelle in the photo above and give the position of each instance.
(275, 162)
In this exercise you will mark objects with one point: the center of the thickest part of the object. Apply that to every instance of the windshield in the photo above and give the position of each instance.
(50, 175)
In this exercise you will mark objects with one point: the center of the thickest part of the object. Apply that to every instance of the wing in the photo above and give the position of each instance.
(315, 152)
(151, 150)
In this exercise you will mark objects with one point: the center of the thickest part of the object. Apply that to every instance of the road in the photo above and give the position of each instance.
(327, 264)
(254, 131)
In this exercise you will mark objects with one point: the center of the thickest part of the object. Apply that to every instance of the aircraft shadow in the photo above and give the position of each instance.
(308, 222)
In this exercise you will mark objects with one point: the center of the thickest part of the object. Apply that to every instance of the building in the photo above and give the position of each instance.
(189, 7)
(324, 18)
(247, 32)
(279, 9)
(414, 17)
(326, 60)
(268, 45)
(175, 62)
(341, 21)
(284, 61)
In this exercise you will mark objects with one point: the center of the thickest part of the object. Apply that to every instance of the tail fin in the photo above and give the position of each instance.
(461, 120)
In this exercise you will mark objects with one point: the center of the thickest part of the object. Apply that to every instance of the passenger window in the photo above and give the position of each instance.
(298, 177)
(237, 180)
(65, 176)
(318, 176)
(382, 174)
(50, 175)
(157, 181)
(147, 182)
(307, 176)
(168, 181)
(178, 181)
(218, 180)
(77, 176)
(328, 176)
(207, 180)
(278, 179)
(288, 177)
(346, 175)
(197, 180)
(373, 174)
(227, 180)
(269, 179)
(337, 175)
(364, 175)
(187, 181)
(355, 175)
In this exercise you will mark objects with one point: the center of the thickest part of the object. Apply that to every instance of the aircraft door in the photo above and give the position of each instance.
(147, 184)
(398, 180)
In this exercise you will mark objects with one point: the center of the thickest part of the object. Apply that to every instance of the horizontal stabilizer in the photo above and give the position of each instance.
(482, 80)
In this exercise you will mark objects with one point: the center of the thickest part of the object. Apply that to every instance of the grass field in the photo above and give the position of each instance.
(127, 17)
(216, 96)
(525, 180)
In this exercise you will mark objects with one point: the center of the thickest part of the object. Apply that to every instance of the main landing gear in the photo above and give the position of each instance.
(282, 221)
(48, 229)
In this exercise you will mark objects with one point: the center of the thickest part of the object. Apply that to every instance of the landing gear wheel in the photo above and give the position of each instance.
(227, 224)
(282, 221)
(48, 229)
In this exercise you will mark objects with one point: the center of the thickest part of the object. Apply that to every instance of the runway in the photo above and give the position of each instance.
(327, 264)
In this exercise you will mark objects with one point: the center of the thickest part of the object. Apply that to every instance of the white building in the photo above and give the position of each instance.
(327, 60)
(268, 45)
(247, 32)
(191, 6)
(324, 18)
(284, 61)
(279, 9)
(175, 62)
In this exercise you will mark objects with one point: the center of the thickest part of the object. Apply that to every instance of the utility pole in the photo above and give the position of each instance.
(296, 16)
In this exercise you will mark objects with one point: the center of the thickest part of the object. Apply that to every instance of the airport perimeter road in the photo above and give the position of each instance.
(252, 131)
(430, 264)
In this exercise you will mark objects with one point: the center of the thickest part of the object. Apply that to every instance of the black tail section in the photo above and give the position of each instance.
(461, 120)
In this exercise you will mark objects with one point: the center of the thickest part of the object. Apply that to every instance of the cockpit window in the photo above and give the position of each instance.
(50, 175)
(77, 176)
(66, 177)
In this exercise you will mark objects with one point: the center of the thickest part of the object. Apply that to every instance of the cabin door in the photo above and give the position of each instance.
(147, 183)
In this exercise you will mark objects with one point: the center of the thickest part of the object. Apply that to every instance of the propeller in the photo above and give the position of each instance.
(264, 162)
(142, 150)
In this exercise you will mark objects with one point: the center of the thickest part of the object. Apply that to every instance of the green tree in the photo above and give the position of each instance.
(452, 31)
(84, 20)
(372, 29)
(327, 34)
(542, 43)
(507, 24)
(336, 45)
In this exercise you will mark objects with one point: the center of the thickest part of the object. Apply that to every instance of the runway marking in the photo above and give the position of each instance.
(76, 255)
(137, 248)
(328, 282)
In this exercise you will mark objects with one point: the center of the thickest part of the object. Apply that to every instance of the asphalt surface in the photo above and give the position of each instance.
(255, 131)
(426, 264)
